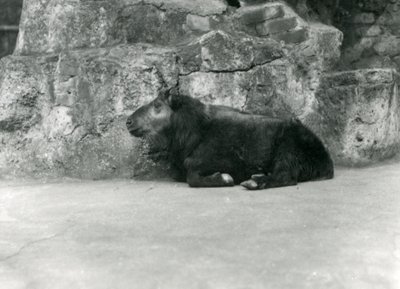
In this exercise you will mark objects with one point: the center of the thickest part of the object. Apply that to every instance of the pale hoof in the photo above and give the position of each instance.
(250, 184)
(228, 180)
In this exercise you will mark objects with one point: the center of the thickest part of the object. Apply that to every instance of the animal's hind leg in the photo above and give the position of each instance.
(282, 175)
(194, 179)
(261, 181)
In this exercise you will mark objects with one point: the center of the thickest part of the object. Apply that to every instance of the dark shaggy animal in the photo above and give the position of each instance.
(214, 146)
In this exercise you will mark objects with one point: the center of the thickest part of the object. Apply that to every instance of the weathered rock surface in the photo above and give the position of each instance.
(360, 114)
(55, 25)
(65, 114)
(81, 67)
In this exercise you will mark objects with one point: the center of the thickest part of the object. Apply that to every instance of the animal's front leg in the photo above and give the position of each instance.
(194, 179)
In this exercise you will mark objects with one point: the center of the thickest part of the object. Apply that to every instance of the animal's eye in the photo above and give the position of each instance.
(157, 105)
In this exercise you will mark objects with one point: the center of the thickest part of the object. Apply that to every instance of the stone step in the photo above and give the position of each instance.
(276, 26)
(292, 37)
(260, 13)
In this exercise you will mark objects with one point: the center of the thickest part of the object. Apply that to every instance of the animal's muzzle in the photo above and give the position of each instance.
(133, 129)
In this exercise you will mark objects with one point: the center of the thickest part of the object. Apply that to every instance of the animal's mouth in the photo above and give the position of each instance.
(137, 132)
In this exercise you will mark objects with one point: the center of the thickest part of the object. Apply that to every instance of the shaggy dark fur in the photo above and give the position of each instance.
(220, 146)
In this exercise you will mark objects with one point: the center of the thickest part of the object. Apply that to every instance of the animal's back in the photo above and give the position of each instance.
(247, 144)
(238, 143)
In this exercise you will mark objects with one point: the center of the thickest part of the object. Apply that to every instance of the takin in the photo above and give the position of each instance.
(215, 146)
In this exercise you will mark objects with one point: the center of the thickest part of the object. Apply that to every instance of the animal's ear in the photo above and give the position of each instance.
(171, 97)
(164, 94)
(174, 99)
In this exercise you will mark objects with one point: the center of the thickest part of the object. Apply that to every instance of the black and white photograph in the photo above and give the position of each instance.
(199, 144)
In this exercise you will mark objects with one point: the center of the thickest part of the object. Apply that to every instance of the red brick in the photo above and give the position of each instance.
(276, 26)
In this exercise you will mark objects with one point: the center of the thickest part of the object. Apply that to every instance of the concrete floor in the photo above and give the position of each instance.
(342, 233)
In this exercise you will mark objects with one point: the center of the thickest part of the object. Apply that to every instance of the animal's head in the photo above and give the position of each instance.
(154, 117)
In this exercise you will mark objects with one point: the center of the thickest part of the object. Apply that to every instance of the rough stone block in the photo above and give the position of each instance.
(364, 18)
(374, 30)
(357, 77)
(360, 115)
(196, 7)
(216, 88)
(198, 23)
(20, 91)
(324, 43)
(276, 26)
(219, 51)
(388, 46)
(372, 5)
(55, 25)
(369, 31)
(149, 24)
(295, 36)
(257, 14)
(269, 89)
(65, 115)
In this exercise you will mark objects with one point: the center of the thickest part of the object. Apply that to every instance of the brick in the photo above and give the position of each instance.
(388, 46)
(360, 77)
(276, 26)
(296, 36)
(257, 14)
(374, 30)
(364, 18)
(198, 23)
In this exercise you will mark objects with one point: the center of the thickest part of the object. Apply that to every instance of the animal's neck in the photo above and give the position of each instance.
(187, 131)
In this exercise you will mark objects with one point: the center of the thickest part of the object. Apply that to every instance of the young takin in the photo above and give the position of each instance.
(214, 146)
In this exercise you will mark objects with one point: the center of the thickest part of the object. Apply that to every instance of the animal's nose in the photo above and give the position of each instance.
(129, 122)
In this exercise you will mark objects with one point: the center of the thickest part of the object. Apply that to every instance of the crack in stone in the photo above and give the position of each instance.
(360, 120)
(248, 69)
(31, 243)
(73, 130)
(143, 2)
(251, 67)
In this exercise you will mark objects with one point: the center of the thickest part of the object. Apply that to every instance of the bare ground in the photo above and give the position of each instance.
(341, 233)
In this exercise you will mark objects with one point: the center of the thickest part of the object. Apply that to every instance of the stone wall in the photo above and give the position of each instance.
(81, 67)
(372, 34)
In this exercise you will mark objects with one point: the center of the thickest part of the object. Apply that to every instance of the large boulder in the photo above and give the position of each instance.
(65, 114)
